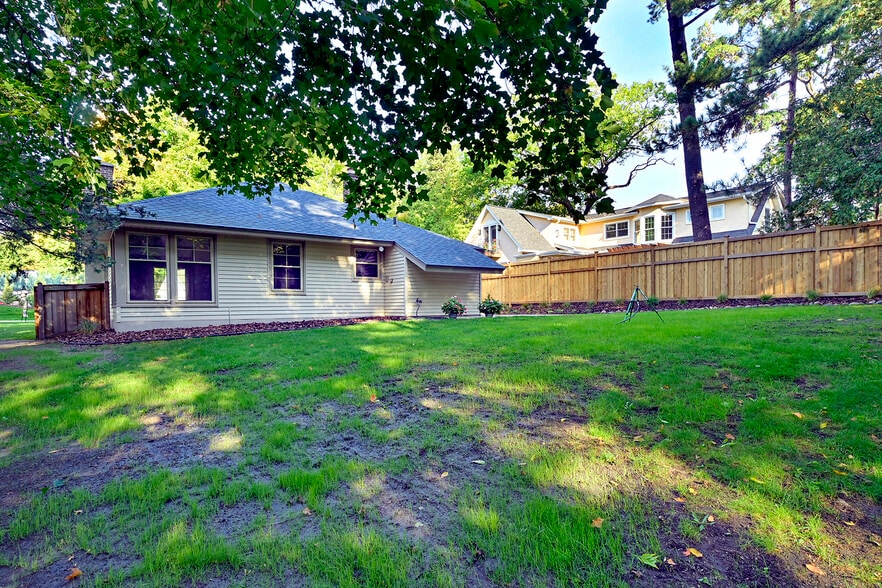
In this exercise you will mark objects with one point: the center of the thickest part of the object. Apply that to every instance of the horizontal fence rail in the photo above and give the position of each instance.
(840, 260)
(62, 308)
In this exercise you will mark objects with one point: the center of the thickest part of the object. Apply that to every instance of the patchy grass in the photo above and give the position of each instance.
(560, 450)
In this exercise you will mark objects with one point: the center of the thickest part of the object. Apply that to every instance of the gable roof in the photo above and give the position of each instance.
(301, 213)
(524, 234)
(656, 200)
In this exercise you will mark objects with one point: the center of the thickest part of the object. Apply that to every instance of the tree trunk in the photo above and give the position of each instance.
(689, 129)
(789, 127)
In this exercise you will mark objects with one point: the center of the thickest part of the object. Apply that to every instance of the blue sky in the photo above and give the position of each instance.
(637, 51)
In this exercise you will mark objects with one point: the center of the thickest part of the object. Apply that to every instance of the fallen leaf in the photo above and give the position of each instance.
(418, 524)
(597, 523)
(849, 523)
(307, 511)
(757, 481)
(679, 499)
(479, 461)
(670, 562)
(563, 420)
(444, 474)
(78, 511)
(797, 415)
(693, 552)
(373, 397)
(730, 436)
(823, 425)
(692, 490)
(638, 438)
(45, 417)
(711, 518)
(74, 574)
(840, 473)
(815, 569)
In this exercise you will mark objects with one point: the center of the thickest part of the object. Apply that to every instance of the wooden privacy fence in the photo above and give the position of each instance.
(828, 260)
(62, 308)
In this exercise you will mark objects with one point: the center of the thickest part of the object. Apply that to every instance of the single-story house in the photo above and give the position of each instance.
(202, 258)
(511, 235)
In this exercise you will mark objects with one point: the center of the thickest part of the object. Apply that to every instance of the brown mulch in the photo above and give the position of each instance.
(112, 337)
(608, 307)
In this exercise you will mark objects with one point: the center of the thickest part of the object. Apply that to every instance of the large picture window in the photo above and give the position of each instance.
(153, 262)
(287, 266)
(367, 263)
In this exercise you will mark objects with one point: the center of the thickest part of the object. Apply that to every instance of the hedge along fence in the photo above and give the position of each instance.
(829, 260)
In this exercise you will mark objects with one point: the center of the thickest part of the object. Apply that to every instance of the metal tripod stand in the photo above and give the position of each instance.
(634, 306)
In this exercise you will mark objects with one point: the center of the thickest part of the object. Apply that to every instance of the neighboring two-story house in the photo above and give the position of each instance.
(510, 235)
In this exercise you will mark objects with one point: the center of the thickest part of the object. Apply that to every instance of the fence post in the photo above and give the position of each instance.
(105, 307)
(652, 270)
(818, 258)
(39, 325)
(725, 265)
(547, 281)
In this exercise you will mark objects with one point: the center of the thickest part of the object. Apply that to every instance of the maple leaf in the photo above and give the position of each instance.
(74, 574)
(373, 398)
(597, 523)
(693, 552)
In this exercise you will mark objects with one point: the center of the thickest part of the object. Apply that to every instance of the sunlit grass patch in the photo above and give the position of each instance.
(531, 451)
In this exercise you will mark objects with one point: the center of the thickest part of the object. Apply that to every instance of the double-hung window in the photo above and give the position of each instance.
(649, 228)
(616, 230)
(287, 266)
(162, 268)
(667, 226)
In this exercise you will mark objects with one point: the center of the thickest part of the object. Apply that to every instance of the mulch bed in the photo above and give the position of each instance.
(112, 337)
(608, 307)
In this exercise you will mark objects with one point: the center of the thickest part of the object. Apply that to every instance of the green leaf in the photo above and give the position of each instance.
(484, 30)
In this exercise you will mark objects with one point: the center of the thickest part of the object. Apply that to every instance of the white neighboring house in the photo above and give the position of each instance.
(200, 258)
(511, 235)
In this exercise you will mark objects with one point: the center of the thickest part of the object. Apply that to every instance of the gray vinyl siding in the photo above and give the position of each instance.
(395, 276)
(243, 293)
(436, 287)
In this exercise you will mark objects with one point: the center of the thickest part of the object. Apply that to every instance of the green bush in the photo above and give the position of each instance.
(490, 306)
(722, 298)
(8, 296)
(766, 298)
(812, 295)
(453, 306)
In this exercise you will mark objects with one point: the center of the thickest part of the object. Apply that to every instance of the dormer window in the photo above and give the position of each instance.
(491, 235)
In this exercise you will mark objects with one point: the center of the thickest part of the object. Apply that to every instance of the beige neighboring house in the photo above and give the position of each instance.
(202, 258)
(511, 235)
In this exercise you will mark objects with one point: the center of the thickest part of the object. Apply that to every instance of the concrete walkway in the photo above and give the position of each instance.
(15, 344)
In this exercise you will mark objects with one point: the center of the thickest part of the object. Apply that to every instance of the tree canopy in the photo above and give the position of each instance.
(269, 83)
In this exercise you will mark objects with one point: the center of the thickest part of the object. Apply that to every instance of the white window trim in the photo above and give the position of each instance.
(646, 229)
(615, 224)
(171, 264)
(710, 214)
(271, 275)
(662, 227)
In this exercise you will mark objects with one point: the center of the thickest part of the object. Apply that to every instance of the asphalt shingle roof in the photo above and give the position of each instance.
(305, 214)
(524, 234)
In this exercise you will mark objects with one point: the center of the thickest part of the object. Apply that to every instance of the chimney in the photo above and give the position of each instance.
(106, 170)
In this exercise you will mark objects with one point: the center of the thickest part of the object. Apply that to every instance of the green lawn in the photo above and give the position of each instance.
(11, 325)
(528, 451)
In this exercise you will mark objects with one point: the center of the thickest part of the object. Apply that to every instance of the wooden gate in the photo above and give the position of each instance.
(63, 308)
